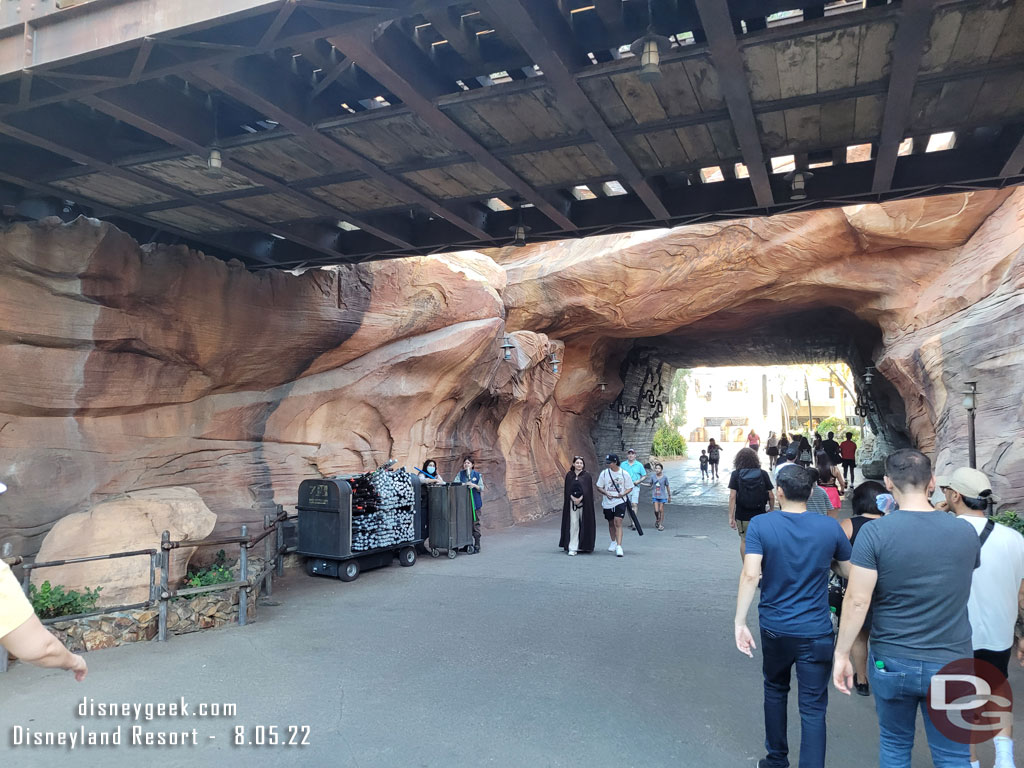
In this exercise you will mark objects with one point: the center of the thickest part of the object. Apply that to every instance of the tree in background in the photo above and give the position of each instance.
(668, 440)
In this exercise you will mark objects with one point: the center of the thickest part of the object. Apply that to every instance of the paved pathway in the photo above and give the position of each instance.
(519, 656)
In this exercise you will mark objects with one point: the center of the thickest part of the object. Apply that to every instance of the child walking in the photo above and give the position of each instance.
(703, 465)
(661, 494)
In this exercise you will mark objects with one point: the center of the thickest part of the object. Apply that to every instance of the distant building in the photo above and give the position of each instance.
(726, 403)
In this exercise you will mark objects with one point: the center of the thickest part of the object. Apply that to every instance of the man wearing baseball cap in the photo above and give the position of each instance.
(637, 472)
(992, 606)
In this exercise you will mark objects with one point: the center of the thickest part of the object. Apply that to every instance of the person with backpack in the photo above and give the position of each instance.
(714, 454)
(751, 493)
(805, 454)
(703, 465)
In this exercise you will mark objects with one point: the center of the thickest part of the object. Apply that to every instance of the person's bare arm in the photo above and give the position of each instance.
(732, 508)
(771, 499)
(841, 567)
(855, 608)
(749, 577)
(33, 643)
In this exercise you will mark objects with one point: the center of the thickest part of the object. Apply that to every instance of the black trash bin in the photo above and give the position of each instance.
(450, 516)
(337, 536)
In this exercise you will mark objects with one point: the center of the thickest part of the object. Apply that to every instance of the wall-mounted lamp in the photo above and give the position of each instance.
(650, 48)
(553, 358)
(507, 347)
(603, 385)
(798, 184)
(869, 375)
(520, 230)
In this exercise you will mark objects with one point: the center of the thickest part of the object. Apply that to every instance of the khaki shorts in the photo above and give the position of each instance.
(741, 528)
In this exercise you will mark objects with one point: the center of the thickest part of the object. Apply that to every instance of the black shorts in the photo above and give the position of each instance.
(713, 462)
(619, 511)
(998, 659)
(851, 463)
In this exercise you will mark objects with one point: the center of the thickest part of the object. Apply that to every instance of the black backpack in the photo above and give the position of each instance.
(751, 493)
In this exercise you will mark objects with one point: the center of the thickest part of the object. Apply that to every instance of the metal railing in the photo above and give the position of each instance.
(159, 560)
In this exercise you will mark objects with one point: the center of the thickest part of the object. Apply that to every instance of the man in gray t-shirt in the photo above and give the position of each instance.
(913, 568)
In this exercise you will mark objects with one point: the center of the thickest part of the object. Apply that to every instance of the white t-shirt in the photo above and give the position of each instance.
(992, 606)
(621, 478)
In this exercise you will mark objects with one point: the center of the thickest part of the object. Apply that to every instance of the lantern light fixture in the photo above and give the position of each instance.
(798, 184)
(553, 358)
(649, 49)
(214, 163)
(604, 385)
(520, 230)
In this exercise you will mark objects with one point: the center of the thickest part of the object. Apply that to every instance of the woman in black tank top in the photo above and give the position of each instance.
(864, 511)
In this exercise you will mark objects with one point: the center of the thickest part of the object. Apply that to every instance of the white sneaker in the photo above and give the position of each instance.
(618, 551)
(612, 546)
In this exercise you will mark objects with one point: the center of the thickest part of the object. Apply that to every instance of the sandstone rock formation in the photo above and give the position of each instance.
(128, 368)
(129, 523)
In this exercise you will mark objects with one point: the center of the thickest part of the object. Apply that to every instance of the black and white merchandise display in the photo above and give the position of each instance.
(382, 509)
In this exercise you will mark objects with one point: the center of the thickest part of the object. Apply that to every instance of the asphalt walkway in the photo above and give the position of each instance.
(519, 656)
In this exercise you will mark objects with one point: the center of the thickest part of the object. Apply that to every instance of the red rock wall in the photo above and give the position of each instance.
(126, 368)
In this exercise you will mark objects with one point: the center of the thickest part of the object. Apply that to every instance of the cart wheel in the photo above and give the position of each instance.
(349, 570)
(451, 554)
(470, 550)
(309, 567)
(435, 553)
(407, 556)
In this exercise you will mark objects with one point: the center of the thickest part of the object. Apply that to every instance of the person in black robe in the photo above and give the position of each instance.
(578, 527)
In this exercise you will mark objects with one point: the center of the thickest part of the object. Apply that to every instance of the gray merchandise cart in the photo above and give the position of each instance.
(449, 518)
(326, 531)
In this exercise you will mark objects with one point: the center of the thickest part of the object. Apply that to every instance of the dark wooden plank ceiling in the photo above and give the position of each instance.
(365, 129)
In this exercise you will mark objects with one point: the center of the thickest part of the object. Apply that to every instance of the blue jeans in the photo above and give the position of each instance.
(813, 659)
(900, 690)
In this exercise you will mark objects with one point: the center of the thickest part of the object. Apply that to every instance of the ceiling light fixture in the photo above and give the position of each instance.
(650, 48)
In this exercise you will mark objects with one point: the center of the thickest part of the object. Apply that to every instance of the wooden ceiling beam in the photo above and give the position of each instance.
(451, 27)
(908, 48)
(283, 104)
(183, 122)
(417, 89)
(545, 35)
(725, 54)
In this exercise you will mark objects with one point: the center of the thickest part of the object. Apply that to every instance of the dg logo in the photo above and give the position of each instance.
(970, 701)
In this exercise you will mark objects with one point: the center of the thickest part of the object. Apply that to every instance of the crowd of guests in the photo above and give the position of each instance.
(918, 586)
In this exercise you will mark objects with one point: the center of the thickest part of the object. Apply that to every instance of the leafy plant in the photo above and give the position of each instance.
(668, 442)
(216, 573)
(49, 601)
(837, 425)
(1011, 519)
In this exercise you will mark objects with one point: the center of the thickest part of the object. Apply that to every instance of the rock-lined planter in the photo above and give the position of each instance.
(184, 615)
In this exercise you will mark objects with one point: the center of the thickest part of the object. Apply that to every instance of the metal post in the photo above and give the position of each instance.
(268, 550)
(5, 551)
(243, 591)
(810, 414)
(279, 557)
(973, 452)
(165, 562)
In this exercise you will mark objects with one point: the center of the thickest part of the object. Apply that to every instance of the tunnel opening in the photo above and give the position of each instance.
(770, 349)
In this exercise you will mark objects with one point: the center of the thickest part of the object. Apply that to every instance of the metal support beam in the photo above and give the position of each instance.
(247, 86)
(1014, 164)
(725, 53)
(546, 37)
(417, 91)
(908, 48)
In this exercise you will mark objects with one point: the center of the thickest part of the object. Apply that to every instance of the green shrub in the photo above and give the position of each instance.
(49, 602)
(668, 442)
(1011, 519)
(217, 573)
(837, 425)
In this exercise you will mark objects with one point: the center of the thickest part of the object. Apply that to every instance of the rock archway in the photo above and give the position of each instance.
(127, 368)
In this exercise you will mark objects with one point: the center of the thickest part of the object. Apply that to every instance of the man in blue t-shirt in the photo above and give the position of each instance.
(792, 553)
(637, 473)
